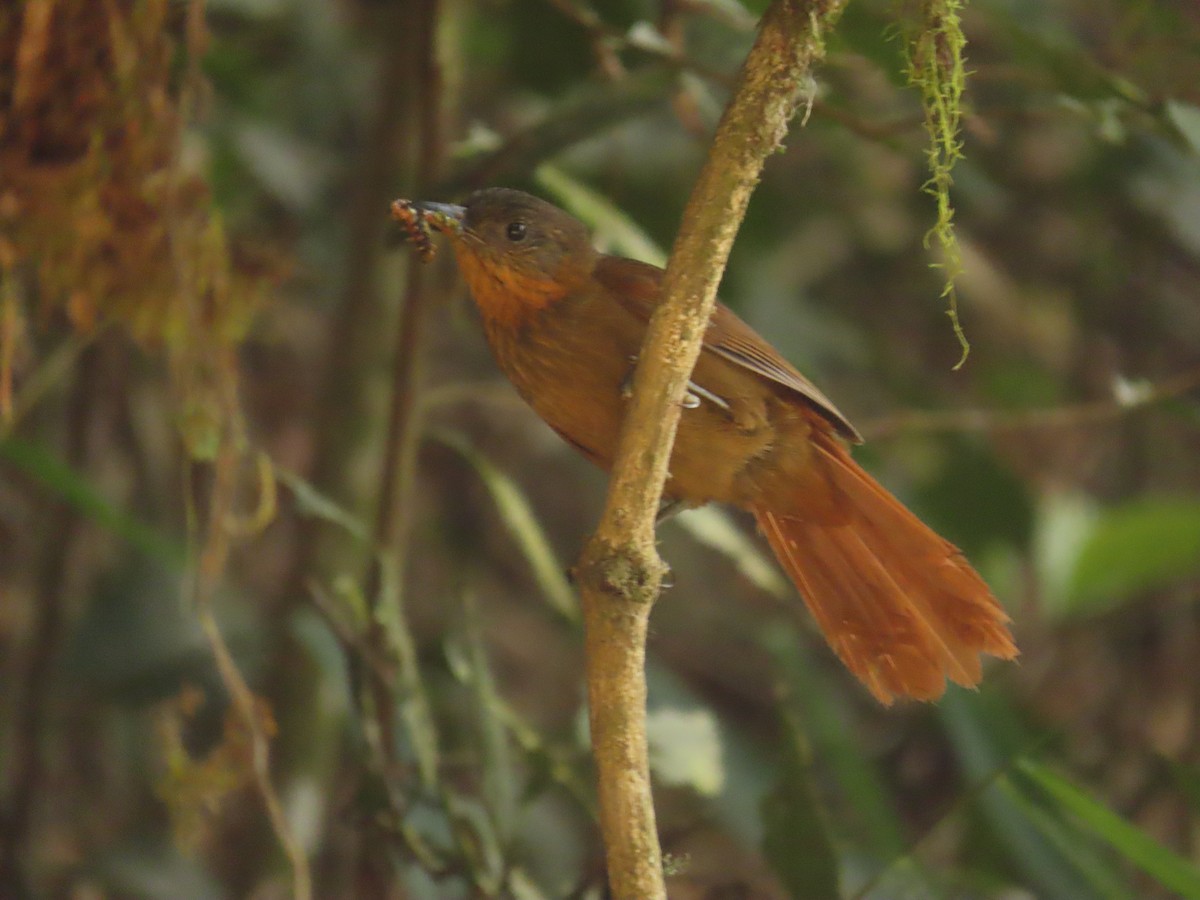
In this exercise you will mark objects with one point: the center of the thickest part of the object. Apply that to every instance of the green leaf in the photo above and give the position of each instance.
(311, 502)
(1145, 544)
(523, 525)
(76, 491)
(796, 841)
(1054, 855)
(685, 749)
(1166, 867)
(521, 886)
(1064, 522)
(713, 527)
(500, 781)
(410, 696)
(1186, 119)
(613, 230)
(821, 709)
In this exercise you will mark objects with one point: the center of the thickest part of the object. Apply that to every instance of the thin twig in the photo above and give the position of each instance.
(207, 363)
(1090, 413)
(354, 328)
(387, 633)
(400, 445)
(396, 469)
(620, 573)
(203, 582)
(356, 644)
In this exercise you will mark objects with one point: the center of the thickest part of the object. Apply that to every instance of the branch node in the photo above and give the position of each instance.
(623, 574)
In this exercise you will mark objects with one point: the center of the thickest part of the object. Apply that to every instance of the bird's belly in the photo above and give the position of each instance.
(574, 387)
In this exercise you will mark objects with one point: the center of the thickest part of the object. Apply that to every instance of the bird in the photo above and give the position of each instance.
(898, 604)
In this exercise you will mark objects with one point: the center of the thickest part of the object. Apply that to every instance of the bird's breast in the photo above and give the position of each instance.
(570, 369)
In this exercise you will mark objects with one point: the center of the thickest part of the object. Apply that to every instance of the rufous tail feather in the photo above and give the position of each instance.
(898, 604)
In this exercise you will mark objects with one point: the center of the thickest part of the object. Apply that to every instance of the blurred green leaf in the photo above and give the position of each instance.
(293, 172)
(870, 31)
(523, 525)
(478, 841)
(1059, 859)
(821, 708)
(713, 527)
(410, 695)
(1186, 119)
(150, 865)
(685, 749)
(748, 770)
(867, 806)
(645, 36)
(311, 502)
(1047, 49)
(612, 229)
(1019, 383)
(135, 643)
(521, 886)
(500, 782)
(796, 841)
(1064, 522)
(1166, 867)
(1145, 544)
(588, 111)
(41, 464)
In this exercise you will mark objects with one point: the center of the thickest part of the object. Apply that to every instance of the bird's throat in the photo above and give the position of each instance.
(505, 295)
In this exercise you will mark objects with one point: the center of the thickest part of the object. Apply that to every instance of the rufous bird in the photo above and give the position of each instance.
(898, 604)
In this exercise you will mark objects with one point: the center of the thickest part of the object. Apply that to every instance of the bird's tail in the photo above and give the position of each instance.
(899, 604)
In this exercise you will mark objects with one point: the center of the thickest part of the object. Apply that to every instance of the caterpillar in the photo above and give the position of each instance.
(413, 219)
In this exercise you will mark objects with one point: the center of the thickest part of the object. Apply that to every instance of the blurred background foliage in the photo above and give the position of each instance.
(225, 386)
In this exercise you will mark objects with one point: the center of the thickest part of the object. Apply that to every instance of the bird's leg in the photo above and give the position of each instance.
(695, 393)
(691, 400)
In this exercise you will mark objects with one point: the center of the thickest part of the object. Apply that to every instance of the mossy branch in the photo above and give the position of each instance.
(935, 68)
(620, 573)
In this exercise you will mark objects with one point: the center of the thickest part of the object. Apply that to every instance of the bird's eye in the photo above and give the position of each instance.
(515, 231)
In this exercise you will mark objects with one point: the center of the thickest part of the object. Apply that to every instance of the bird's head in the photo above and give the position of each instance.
(517, 253)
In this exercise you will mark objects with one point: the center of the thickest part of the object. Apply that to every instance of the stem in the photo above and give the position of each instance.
(620, 572)
(400, 447)
(388, 636)
(354, 329)
(211, 553)
(1074, 415)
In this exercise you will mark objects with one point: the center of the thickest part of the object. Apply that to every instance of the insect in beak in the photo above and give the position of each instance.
(418, 217)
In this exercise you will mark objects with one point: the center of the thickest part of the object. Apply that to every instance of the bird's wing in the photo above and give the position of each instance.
(638, 287)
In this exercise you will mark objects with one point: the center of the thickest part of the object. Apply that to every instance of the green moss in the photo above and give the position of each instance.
(935, 67)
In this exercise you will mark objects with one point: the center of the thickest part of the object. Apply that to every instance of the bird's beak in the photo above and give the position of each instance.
(445, 217)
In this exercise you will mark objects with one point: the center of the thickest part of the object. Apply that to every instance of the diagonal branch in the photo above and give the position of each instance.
(620, 573)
